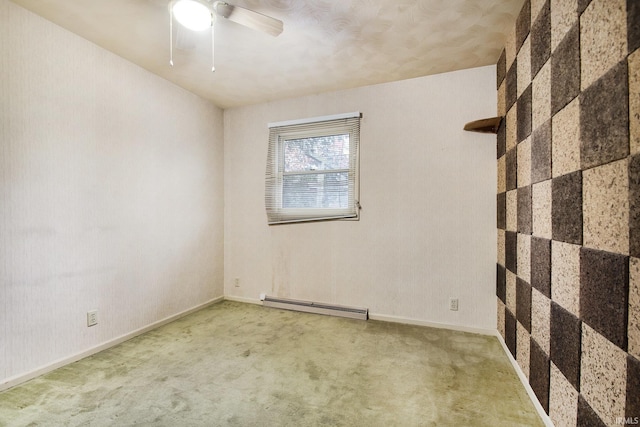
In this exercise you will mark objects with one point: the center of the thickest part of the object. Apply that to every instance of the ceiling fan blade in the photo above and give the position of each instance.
(249, 18)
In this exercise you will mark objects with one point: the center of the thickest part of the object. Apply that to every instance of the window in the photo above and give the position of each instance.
(312, 169)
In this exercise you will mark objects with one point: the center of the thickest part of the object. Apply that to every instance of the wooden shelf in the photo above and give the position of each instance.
(484, 125)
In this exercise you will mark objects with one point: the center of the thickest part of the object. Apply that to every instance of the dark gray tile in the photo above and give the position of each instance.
(524, 114)
(604, 118)
(501, 283)
(565, 70)
(524, 210)
(582, 5)
(633, 27)
(511, 90)
(511, 169)
(587, 416)
(539, 369)
(634, 206)
(502, 211)
(541, 265)
(523, 24)
(541, 39)
(566, 208)
(541, 153)
(523, 303)
(566, 337)
(604, 290)
(511, 250)
(501, 68)
(502, 139)
(510, 331)
(633, 387)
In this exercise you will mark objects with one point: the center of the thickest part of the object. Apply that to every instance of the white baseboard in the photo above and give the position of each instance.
(525, 382)
(243, 299)
(410, 321)
(19, 379)
(392, 319)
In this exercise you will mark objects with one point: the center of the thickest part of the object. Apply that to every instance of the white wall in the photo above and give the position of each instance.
(427, 228)
(111, 198)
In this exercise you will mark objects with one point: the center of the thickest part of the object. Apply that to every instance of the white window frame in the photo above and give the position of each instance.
(281, 132)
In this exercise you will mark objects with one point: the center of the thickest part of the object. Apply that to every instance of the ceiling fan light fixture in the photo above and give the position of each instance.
(192, 14)
(199, 15)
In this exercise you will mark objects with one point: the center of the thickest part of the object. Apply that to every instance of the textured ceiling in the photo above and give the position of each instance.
(326, 44)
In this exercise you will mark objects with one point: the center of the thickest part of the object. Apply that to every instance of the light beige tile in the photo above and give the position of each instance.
(565, 149)
(634, 307)
(523, 342)
(605, 195)
(524, 66)
(603, 375)
(563, 399)
(603, 38)
(564, 14)
(512, 210)
(541, 319)
(512, 127)
(502, 174)
(634, 101)
(524, 257)
(541, 209)
(511, 292)
(536, 7)
(510, 46)
(502, 98)
(501, 247)
(565, 276)
(524, 163)
(541, 96)
(501, 317)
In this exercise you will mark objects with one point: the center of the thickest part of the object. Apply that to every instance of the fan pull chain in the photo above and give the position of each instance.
(213, 62)
(214, 18)
(170, 35)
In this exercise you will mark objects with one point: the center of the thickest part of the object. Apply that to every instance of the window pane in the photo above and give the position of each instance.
(318, 153)
(319, 191)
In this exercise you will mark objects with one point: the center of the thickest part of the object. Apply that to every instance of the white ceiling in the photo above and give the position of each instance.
(326, 44)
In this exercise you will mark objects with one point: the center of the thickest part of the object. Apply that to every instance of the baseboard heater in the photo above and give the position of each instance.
(316, 307)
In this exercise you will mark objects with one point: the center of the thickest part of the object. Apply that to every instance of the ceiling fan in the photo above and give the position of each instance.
(199, 15)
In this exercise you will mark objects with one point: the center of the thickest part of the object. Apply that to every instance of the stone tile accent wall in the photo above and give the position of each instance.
(568, 273)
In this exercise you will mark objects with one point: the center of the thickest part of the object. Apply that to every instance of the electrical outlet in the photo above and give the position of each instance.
(92, 318)
(453, 304)
(236, 282)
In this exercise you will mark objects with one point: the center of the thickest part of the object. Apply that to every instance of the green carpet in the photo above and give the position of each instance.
(234, 364)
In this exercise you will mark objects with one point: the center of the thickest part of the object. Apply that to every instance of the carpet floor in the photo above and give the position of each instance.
(234, 364)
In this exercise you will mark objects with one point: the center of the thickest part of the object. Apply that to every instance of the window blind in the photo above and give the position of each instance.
(312, 169)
